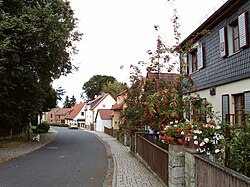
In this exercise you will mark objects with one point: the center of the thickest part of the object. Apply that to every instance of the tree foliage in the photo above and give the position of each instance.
(37, 40)
(114, 88)
(94, 86)
(69, 102)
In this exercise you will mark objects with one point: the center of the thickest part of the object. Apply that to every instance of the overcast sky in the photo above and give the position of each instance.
(119, 32)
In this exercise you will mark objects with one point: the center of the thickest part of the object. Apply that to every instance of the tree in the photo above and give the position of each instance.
(69, 102)
(59, 93)
(114, 88)
(66, 103)
(72, 101)
(37, 40)
(94, 86)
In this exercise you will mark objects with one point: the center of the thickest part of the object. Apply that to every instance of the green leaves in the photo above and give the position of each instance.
(94, 86)
(36, 43)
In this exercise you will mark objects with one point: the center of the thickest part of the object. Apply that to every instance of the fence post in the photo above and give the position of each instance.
(190, 167)
(176, 168)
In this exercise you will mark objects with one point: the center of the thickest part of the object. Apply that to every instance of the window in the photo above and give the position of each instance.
(247, 102)
(234, 36)
(225, 108)
(199, 110)
(236, 39)
(239, 108)
(51, 115)
(194, 59)
(195, 110)
(82, 113)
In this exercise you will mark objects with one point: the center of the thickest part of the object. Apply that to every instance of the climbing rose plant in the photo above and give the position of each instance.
(164, 106)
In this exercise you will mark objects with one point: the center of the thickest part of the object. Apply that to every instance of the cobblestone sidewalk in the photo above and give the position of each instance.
(129, 172)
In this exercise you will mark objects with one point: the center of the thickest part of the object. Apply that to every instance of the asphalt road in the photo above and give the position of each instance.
(75, 158)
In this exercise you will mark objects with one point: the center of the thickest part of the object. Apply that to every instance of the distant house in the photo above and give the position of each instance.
(117, 108)
(77, 115)
(103, 101)
(56, 115)
(219, 63)
(103, 119)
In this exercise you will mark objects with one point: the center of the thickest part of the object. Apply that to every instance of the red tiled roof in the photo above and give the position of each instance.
(118, 106)
(63, 111)
(167, 77)
(105, 114)
(76, 109)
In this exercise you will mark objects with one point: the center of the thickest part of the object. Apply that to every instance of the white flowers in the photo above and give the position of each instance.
(166, 128)
(218, 127)
(217, 151)
(197, 131)
(206, 140)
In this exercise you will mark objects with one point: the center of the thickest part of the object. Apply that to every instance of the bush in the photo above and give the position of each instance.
(44, 126)
(59, 124)
(41, 128)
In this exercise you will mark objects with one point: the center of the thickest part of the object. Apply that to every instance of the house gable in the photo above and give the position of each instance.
(221, 65)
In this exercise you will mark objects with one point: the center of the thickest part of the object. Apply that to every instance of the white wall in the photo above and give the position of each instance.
(104, 104)
(232, 88)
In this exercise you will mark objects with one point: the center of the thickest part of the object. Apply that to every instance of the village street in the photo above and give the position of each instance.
(74, 158)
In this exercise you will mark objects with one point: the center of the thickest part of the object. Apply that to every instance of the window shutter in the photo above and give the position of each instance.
(185, 64)
(242, 22)
(190, 69)
(225, 107)
(200, 56)
(247, 102)
(222, 33)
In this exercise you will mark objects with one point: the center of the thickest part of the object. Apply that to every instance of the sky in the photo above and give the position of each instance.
(120, 32)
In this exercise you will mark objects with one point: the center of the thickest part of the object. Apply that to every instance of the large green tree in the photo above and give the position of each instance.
(36, 43)
(94, 86)
(114, 88)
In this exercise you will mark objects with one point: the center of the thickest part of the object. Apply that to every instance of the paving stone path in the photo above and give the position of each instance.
(129, 172)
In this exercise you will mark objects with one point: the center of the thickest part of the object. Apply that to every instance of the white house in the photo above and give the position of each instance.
(104, 101)
(76, 115)
(103, 119)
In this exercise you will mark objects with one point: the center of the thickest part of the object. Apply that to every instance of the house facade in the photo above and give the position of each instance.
(117, 108)
(103, 101)
(103, 119)
(77, 115)
(56, 115)
(219, 63)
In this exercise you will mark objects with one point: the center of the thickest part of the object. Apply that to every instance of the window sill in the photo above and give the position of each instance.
(233, 53)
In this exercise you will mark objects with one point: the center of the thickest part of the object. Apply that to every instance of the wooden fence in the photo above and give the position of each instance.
(210, 174)
(112, 132)
(155, 157)
(206, 172)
